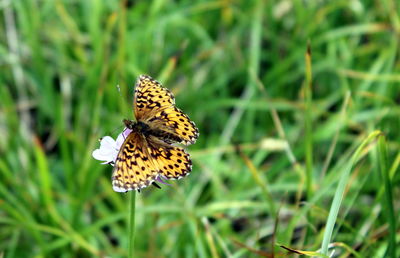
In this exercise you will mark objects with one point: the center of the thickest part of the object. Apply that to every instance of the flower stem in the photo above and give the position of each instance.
(132, 224)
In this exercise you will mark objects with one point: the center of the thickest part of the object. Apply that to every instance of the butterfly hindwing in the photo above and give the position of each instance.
(133, 169)
(171, 162)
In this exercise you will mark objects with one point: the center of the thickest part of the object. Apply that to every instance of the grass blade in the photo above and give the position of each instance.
(387, 202)
(337, 200)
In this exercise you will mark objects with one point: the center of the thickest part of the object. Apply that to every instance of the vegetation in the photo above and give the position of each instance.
(297, 103)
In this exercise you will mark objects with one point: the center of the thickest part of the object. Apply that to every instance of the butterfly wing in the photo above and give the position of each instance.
(150, 96)
(133, 168)
(171, 162)
(155, 105)
(175, 124)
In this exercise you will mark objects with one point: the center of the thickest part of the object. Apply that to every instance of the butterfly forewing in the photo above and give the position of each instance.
(155, 105)
(133, 168)
(150, 96)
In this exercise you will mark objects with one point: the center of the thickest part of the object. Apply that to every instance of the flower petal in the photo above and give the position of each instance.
(107, 142)
(161, 179)
(107, 162)
(107, 151)
(121, 137)
(101, 155)
(109, 147)
(119, 189)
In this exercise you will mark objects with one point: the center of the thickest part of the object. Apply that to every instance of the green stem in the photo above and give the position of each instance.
(388, 201)
(308, 124)
(132, 224)
(308, 134)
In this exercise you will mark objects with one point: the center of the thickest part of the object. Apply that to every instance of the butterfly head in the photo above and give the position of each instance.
(129, 123)
(137, 126)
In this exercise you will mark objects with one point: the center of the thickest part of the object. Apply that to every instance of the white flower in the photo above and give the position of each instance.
(109, 148)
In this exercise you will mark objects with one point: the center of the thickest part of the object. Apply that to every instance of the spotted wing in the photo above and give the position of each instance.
(150, 97)
(155, 105)
(175, 125)
(133, 168)
(171, 162)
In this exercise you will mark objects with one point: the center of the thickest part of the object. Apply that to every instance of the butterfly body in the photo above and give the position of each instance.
(148, 151)
(146, 130)
(138, 126)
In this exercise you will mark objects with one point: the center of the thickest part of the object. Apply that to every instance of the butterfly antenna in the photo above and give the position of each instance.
(119, 127)
(113, 131)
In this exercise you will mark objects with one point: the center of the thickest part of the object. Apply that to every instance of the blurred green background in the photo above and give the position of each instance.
(282, 132)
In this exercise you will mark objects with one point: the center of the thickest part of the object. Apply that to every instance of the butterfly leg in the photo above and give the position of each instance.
(156, 185)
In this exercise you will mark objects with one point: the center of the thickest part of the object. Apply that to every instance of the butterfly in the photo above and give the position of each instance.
(148, 152)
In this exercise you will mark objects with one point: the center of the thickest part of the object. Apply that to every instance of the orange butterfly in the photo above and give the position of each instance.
(147, 152)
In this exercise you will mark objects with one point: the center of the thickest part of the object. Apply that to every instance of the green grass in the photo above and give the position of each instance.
(297, 148)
